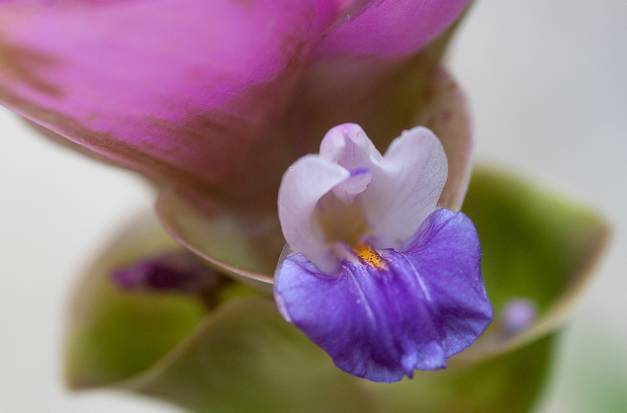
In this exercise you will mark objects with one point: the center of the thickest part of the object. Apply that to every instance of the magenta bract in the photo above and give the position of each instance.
(218, 95)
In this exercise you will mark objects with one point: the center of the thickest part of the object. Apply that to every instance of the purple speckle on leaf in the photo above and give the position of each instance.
(518, 315)
(175, 271)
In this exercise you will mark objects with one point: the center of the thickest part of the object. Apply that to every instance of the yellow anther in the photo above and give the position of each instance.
(369, 255)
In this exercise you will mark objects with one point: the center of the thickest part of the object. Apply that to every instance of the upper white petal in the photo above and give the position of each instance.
(349, 146)
(405, 187)
(356, 184)
(385, 198)
(303, 185)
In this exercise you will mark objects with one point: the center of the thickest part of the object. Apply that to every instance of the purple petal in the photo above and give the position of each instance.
(426, 305)
(446, 252)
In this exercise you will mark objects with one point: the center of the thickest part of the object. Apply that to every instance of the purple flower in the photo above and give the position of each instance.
(376, 275)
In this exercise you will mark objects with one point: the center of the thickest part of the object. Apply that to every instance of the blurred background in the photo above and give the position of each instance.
(546, 84)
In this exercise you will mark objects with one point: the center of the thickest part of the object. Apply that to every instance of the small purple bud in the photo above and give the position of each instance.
(518, 315)
(177, 271)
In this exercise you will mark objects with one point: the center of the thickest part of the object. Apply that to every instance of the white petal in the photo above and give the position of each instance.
(356, 184)
(405, 188)
(303, 184)
(349, 146)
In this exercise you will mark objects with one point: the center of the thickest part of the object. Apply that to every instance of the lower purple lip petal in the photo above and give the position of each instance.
(382, 322)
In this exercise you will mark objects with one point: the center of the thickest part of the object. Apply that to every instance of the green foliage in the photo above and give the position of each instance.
(242, 357)
(506, 383)
(114, 335)
(535, 245)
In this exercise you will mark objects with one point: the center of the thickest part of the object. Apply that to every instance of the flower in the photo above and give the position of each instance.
(377, 276)
(216, 99)
(240, 355)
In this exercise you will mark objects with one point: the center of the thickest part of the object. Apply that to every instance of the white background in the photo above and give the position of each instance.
(547, 84)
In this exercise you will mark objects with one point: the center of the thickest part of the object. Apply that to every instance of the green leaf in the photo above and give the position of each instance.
(509, 383)
(537, 246)
(242, 243)
(114, 335)
(244, 358)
